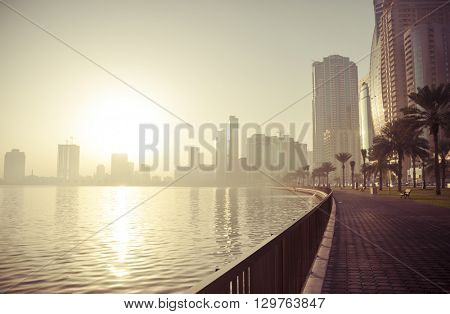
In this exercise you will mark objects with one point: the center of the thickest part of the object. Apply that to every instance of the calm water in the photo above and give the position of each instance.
(166, 245)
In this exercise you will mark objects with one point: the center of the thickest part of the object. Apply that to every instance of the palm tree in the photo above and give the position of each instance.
(394, 167)
(364, 156)
(343, 158)
(393, 138)
(352, 167)
(443, 151)
(425, 161)
(433, 113)
(327, 167)
(358, 178)
(416, 147)
(371, 169)
(378, 154)
(320, 173)
(365, 171)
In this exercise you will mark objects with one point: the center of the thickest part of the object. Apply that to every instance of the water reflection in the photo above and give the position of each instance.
(66, 210)
(165, 246)
(12, 199)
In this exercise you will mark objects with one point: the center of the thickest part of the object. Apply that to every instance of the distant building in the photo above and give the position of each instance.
(366, 130)
(195, 173)
(156, 180)
(221, 156)
(68, 166)
(121, 169)
(233, 145)
(335, 110)
(14, 170)
(100, 172)
(274, 156)
(310, 155)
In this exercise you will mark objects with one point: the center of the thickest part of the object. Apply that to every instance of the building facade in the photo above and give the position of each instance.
(121, 169)
(14, 166)
(221, 156)
(68, 165)
(407, 50)
(335, 110)
(274, 156)
(366, 130)
(427, 56)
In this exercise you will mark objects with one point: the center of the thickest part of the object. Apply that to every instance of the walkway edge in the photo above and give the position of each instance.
(316, 277)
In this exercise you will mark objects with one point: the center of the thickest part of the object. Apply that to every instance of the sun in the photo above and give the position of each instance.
(109, 123)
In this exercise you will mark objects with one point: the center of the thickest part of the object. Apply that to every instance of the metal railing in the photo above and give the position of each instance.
(279, 265)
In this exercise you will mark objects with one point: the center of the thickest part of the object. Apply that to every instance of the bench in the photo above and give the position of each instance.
(405, 194)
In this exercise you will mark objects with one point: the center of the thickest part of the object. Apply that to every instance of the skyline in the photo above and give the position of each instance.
(277, 67)
(224, 147)
(229, 157)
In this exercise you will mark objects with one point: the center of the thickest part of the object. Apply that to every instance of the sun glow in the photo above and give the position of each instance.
(110, 124)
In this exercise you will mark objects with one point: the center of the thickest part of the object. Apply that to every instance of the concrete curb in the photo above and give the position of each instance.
(315, 279)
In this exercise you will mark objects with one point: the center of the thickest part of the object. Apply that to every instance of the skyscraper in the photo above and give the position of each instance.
(100, 172)
(221, 156)
(398, 40)
(14, 170)
(427, 56)
(376, 98)
(274, 156)
(68, 166)
(335, 109)
(121, 169)
(365, 115)
(233, 145)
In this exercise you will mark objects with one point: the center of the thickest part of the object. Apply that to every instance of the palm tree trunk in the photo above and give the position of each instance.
(343, 173)
(381, 179)
(436, 161)
(353, 179)
(400, 170)
(364, 172)
(424, 181)
(444, 168)
(327, 179)
(414, 170)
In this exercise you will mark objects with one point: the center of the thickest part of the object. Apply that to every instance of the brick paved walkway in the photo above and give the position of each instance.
(417, 234)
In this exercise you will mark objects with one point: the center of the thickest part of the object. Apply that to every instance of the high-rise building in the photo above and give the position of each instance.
(274, 156)
(427, 56)
(14, 170)
(399, 38)
(376, 98)
(68, 166)
(221, 156)
(335, 110)
(366, 131)
(121, 169)
(100, 172)
(194, 156)
(233, 145)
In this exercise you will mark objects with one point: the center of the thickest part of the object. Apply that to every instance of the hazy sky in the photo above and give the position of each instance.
(203, 60)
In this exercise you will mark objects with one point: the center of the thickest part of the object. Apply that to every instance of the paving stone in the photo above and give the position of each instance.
(388, 245)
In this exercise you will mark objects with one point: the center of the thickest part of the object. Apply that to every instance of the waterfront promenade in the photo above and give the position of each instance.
(388, 245)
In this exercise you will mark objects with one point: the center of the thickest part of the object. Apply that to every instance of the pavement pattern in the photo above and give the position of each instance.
(388, 245)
